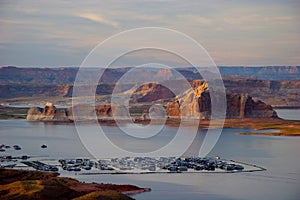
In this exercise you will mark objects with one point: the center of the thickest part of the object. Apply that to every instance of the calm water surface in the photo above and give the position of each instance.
(280, 155)
(293, 114)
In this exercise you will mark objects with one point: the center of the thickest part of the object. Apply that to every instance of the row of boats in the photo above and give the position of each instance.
(41, 166)
(137, 163)
(209, 164)
(4, 146)
(148, 164)
(76, 164)
(131, 164)
(11, 161)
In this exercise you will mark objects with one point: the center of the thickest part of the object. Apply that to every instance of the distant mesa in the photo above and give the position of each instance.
(67, 75)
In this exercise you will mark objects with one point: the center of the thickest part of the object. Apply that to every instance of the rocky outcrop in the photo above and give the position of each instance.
(196, 103)
(104, 110)
(150, 92)
(271, 92)
(51, 113)
(34, 114)
(173, 109)
(243, 106)
(193, 103)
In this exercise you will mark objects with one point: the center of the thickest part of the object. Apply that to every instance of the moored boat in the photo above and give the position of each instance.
(17, 147)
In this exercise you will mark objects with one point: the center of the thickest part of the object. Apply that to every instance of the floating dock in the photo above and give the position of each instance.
(131, 165)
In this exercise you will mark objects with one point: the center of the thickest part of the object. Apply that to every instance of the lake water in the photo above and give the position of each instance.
(293, 114)
(279, 155)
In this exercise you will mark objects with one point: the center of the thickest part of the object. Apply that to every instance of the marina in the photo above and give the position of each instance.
(130, 165)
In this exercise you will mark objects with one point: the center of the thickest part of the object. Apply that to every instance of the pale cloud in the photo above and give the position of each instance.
(27, 22)
(30, 10)
(144, 17)
(257, 18)
(196, 19)
(11, 21)
(99, 19)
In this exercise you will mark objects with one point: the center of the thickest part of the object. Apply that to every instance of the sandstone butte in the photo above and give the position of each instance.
(196, 103)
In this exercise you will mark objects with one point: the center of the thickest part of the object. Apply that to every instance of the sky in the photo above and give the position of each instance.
(234, 32)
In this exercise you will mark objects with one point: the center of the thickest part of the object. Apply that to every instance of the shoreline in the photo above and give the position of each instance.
(279, 107)
(260, 126)
(13, 181)
(284, 127)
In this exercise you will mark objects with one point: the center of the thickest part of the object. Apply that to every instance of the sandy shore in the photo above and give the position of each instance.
(283, 127)
(262, 125)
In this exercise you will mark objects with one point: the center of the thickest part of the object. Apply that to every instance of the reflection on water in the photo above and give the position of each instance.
(278, 154)
(61, 139)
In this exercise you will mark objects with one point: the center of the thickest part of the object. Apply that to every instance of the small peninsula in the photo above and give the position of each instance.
(26, 184)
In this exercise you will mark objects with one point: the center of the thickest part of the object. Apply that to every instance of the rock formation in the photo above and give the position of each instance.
(196, 103)
(243, 106)
(200, 89)
(51, 113)
(193, 103)
(34, 114)
(150, 92)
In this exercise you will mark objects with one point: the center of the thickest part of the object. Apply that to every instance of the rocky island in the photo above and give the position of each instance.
(191, 104)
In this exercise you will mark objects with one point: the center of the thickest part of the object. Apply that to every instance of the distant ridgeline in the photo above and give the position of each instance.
(275, 85)
(67, 75)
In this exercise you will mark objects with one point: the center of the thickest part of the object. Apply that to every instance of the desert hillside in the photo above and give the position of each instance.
(25, 184)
